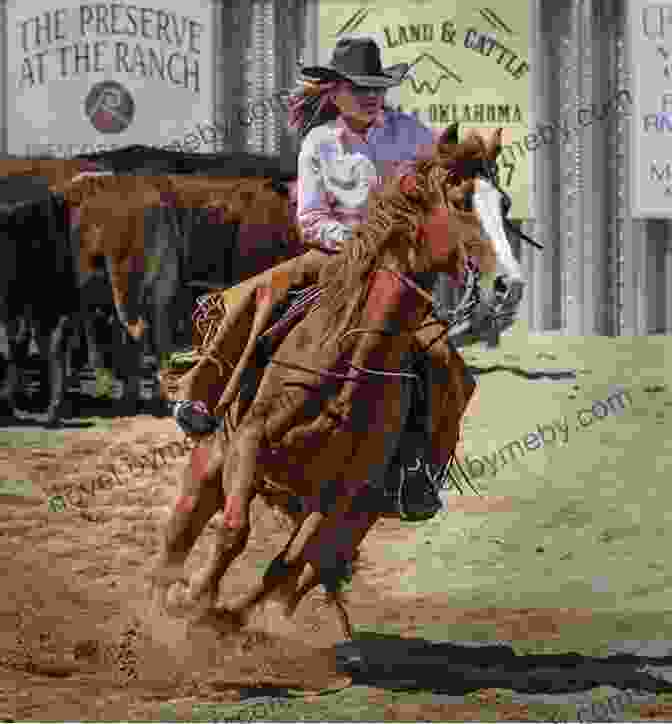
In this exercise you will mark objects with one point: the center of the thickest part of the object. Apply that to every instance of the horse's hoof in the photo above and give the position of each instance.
(273, 618)
(169, 600)
(350, 658)
(53, 421)
(221, 619)
(200, 594)
(161, 581)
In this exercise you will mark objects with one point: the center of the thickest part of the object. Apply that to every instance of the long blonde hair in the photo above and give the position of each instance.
(311, 105)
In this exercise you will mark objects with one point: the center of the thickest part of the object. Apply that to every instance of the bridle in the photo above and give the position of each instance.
(489, 171)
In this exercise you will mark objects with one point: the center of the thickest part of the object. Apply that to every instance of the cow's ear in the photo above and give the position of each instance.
(280, 187)
(451, 134)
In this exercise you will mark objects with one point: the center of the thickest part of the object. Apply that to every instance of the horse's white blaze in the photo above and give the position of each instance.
(487, 202)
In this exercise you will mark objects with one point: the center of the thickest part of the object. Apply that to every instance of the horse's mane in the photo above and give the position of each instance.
(393, 219)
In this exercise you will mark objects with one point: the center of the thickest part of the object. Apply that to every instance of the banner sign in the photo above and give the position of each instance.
(650, 31)
(468, 64)
(94, 76)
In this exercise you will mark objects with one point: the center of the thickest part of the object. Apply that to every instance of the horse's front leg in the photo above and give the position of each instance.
(314, 555)
(200, 497)
(204, 585)
(282, 575)
(203, 589)
(324, 565)
(241, 473)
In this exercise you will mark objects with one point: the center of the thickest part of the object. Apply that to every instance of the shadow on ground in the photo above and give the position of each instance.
(78, 409)
(392, 662)
(526, 374)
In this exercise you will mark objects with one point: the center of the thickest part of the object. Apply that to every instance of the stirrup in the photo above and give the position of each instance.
(193, 418)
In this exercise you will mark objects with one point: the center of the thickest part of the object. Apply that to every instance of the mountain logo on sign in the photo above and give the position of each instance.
(428, 66)
(110, 107)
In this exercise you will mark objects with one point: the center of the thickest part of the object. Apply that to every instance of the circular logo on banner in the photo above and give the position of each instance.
(110, 107)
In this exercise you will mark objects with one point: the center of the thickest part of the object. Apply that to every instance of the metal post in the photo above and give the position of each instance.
(540, 193)
(631, 233)
(4, 71)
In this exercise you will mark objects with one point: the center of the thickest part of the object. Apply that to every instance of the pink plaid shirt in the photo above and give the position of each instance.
(338, 167)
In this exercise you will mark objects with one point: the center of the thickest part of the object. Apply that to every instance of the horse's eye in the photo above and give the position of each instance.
(506, 205)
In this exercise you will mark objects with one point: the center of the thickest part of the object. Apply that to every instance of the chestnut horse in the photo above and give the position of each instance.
(331, 403)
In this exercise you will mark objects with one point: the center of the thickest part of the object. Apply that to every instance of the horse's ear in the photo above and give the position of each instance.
(450, 135)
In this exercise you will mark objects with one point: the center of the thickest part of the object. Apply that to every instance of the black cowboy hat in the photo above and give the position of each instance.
(358, 60)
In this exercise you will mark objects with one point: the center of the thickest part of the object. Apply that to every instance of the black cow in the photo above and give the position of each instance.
(44, 291)
(38, 286)
(148, 160)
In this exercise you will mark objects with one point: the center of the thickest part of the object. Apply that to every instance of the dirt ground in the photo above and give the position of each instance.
(78, 640)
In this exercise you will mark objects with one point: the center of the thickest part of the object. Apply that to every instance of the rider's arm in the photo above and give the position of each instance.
(320, 226)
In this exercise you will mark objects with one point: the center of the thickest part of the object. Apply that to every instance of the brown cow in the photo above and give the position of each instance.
(146, 253)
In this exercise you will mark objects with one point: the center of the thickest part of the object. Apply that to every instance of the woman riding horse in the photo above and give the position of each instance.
(319, 410)
(350, 142)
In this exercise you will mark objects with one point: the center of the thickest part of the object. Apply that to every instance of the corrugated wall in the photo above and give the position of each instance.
(4, 69)
(232, 42)
(602, 271)
(261, 43)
